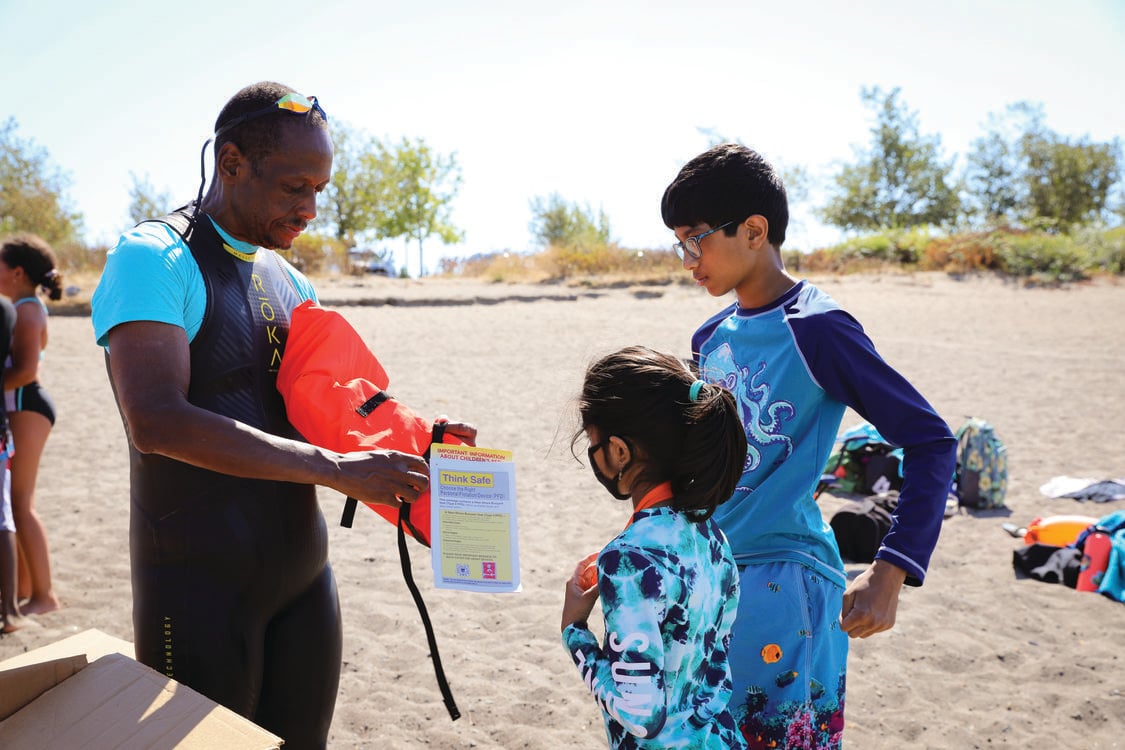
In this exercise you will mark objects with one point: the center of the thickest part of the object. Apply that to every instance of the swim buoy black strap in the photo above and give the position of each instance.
(408, 576)
(349, 512)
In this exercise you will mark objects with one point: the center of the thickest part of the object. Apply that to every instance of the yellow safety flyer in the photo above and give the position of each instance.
(473, 519)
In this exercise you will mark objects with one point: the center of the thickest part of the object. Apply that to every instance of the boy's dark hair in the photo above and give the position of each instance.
(258, 137)
(728, 182)
(32, 253)
(643, 396)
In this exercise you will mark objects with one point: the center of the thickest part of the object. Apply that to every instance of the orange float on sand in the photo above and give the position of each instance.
(1058, 531)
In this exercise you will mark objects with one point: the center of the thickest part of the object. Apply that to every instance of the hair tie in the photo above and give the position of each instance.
(693, 394)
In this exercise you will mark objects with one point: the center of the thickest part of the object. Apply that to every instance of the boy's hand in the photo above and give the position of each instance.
(871, 600)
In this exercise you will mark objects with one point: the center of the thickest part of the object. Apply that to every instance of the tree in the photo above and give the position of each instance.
(352, 200)
(145, 202)
(1069, 182)
(1116, 206)
(555, 221)
(32, 191)
(1020, 171)
(900, 182)
(379, 191)
(414, 200)
(995, 167)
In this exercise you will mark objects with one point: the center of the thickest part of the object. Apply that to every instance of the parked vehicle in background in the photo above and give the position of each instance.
(368, 260)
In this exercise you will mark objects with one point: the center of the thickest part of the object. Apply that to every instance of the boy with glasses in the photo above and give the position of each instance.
(794, 361)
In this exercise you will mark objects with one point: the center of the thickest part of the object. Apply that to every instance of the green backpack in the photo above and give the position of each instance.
(981, 477)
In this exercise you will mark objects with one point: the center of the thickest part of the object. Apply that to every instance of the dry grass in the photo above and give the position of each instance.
(1031, 257)
(569, 263)
(78, 287)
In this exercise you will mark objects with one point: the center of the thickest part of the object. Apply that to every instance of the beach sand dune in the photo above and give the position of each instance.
(979, 657)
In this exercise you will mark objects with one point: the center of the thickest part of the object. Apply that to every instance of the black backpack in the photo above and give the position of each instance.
(864, 463)
(860, 525)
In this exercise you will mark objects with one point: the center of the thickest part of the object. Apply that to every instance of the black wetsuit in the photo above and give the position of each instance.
(232, 591)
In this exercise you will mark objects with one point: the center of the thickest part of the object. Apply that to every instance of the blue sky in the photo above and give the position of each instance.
(600, 102)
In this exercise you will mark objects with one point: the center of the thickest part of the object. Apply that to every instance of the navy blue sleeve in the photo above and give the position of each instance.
(846, 365)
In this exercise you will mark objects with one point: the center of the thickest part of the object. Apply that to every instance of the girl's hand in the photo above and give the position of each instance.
(579, 600)
(588, 571)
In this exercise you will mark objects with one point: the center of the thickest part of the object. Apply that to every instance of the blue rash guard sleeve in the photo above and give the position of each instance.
(626, 678)
(844, 362)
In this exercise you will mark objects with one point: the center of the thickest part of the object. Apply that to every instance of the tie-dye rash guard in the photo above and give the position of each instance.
(669, 592)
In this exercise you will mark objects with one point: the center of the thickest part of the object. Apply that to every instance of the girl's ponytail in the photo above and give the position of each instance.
(713, 452)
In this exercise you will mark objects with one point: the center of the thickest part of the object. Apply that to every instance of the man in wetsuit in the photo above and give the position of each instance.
(232, 591)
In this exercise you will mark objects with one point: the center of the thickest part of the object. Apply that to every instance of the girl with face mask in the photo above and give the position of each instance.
(674, 447)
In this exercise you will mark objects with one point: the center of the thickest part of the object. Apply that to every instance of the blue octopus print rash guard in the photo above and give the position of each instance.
(793, 367)
(669, 593)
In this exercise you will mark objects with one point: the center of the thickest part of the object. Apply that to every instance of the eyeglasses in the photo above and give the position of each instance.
(690, 246)
(291, 102)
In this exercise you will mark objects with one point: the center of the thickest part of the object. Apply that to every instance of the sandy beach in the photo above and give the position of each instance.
(980, 657)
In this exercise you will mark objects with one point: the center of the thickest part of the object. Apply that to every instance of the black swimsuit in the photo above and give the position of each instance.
(233, 595)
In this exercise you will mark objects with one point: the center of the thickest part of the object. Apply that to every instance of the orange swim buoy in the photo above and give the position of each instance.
(1058, 531)
(334, 389)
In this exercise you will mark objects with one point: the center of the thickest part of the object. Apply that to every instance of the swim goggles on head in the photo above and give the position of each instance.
(291, 102)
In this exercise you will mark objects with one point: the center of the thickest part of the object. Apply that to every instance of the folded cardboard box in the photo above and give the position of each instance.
(87, 691)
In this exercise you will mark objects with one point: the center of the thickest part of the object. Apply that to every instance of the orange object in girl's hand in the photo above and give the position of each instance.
(588, 575)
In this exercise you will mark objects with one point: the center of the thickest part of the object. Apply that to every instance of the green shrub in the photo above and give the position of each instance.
(1043, 257)
(568, 261)
(896, 246)
(1106, 249)
(1036, 255)
(868, 247)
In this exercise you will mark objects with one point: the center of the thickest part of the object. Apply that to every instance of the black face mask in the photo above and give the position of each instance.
(610, 483)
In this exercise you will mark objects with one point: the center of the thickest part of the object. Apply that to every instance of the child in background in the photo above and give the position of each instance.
(794, 361)
(27, 264)
(674, 445)
(10, 617)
